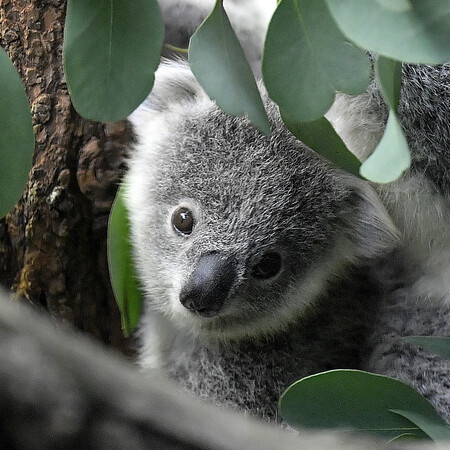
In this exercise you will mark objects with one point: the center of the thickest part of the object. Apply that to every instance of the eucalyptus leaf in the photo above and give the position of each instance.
(436, 431)
(392, 156)
(218, 62)
(321, 137)
(356, 400)
(389, 77)
(16, 135)
(307, 60)
(435, 344)
(121, 269)
(415, 31)
(111, 51)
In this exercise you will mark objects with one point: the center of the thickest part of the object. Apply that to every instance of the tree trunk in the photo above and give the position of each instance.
(53, 244)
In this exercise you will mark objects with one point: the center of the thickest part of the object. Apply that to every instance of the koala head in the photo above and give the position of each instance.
(234, 232)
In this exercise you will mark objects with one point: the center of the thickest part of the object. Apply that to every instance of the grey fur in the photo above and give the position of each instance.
(424, 111)
(361, 265)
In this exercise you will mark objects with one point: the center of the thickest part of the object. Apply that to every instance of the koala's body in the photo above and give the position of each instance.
(262, 263)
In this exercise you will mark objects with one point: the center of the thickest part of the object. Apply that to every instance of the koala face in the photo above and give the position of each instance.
(234, 232)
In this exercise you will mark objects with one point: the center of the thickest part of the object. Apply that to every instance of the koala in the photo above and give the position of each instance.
(261, 262)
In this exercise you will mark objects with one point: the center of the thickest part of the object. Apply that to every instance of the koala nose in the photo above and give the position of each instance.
(209, 285)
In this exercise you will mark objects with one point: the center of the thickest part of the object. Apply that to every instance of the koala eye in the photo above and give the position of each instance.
(268, 266)
(183, 220)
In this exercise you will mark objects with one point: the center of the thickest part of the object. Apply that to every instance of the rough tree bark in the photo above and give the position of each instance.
(53, 244)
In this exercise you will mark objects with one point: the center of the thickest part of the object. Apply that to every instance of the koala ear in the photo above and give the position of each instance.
(369, 226)
(175, 85)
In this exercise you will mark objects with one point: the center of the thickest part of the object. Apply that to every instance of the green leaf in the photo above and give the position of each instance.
(389, 77)
(111, 51)
(307, 60)
(218, 62)
(122, 273)
(320, 136)
(16, 135)
(392, 156)
(416, 31)
(436, 344)
(436, 431)
(355, 400)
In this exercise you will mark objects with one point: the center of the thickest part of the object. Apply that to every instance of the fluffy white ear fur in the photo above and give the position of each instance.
(175, 85)
(370, 227)
(359, 120)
